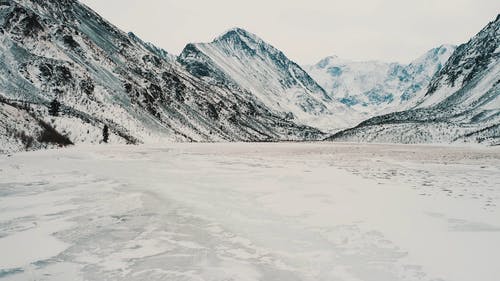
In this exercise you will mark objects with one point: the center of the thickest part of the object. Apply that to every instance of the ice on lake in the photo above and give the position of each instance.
(317, 211)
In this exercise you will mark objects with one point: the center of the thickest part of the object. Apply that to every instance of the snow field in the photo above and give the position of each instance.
(284, 211)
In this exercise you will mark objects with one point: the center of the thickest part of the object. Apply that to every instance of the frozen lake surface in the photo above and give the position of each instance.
(244, 212)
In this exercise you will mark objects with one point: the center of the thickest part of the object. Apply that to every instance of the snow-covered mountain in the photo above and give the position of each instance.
(372, 87)
(244, 61)
(61, 49)
(462, 102)
(236, 88)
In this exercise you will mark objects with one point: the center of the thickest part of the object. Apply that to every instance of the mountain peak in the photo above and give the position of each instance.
(327, 61)
(438, 55)
(243, 60)
(238, 33)
(238, 30)
(447, 46)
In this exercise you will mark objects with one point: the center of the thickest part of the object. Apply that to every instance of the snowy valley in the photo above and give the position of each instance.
(122, 161)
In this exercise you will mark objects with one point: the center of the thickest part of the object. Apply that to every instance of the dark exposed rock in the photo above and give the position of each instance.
(70, 42)
(212, 111)
(87, 86)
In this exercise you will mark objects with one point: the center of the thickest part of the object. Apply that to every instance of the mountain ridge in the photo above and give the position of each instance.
(377, 87)
(243, 60)
(462, 104)
(235, 88)
(103, 76)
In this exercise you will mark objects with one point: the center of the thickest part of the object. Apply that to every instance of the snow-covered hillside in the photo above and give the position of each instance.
(21, 129)
(236, 88)
(244, 61)
(462, 103)
(102, 76)
(372, 87)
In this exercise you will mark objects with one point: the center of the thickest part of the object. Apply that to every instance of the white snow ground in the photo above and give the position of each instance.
(318, 211)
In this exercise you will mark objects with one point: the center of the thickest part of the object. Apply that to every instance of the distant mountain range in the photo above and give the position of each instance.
(235, 88)
(461, 103)
(373, 88)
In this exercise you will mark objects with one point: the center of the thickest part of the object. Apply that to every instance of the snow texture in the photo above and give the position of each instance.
(319, 211)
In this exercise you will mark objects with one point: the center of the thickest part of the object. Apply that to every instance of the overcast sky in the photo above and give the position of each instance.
(308, 30)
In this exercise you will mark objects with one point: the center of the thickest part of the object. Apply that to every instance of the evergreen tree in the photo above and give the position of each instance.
(105, 134)
(54, 107)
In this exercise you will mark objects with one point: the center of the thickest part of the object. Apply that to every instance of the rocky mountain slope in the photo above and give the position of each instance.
(61, 49)
(245, 62)
(236, 88)
(462, 103)
(373, 88)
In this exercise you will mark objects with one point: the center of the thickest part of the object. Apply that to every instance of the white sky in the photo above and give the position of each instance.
(308, 30)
